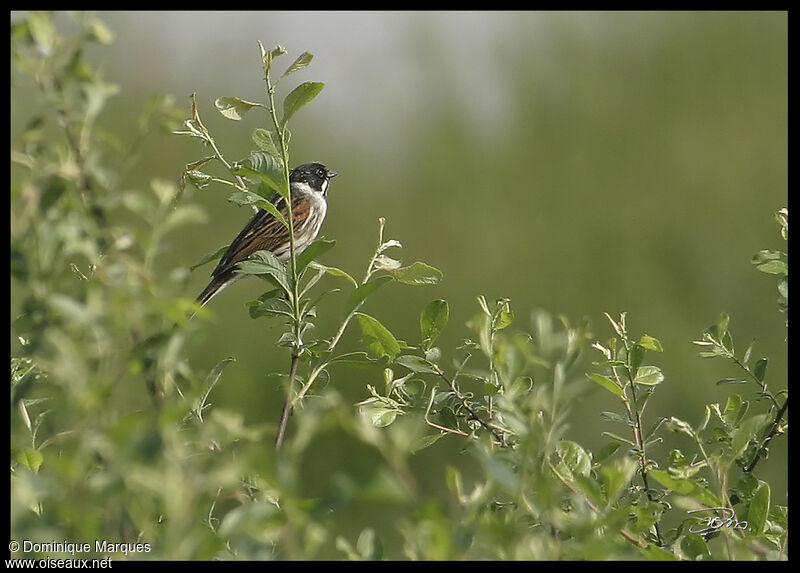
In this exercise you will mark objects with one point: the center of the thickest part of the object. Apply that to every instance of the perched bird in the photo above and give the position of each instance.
(309, 185)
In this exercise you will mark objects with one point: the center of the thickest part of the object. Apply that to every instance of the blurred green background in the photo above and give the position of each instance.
(577, 162)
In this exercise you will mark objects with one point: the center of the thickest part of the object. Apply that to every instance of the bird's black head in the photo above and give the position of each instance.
(315, 175)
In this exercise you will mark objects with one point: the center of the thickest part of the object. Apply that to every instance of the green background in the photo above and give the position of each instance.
(580, 163)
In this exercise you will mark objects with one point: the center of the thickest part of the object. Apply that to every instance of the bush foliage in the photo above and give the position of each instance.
(115, 435)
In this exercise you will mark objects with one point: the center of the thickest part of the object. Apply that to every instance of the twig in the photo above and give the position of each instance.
(437, 426)
(633, 416)
(496, 431)
(287, 406)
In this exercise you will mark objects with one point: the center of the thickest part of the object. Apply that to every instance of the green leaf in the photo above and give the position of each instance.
(574, 458)
(616, 476)
(432, 321)
(617, 326)
(336, 272)
(263, 167)
(654, 428)
(678, 425)
(760, 369)
(299, 97)
(779, 516)
(211, 380)
(782, 217)
(274, 305)
(609, 363)
(384, 263)
(266, 141)
(649, 376)
(433, 355)
(198, 178)
(745, 487)
(250, 198)
(210, 257)
(265, 263)
(417, 274)
(382, 417)
(301, 62)
(355, 360)
(692, 547)
(636, 358)
(448, 418)
(650, 343)
(100, 32)
(606, 383)
(590, 488)
(772, 262)
(615, 418)
(363, 291)
(246, 517)
(656, 553)
(311, 252)
(759, 508)
(269, 56)
(380, 342)
(368, 545)
(416, 364)
(40, 25)
(183, 215)
(735, 410)
(617, 438)
(504, 318)
(606, 452)
(686, 487)
(749, 429)
(425, 442)
(727, 341)
(731, 381)
(234, 108)
(31, 459)
(748, 351)
(722, 324)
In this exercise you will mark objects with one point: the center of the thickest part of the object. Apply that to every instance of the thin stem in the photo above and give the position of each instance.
(368, 275)
(210, 140)
(337, 337)
(633, 415)
(287, 406)
(218, 155)
(297, 319)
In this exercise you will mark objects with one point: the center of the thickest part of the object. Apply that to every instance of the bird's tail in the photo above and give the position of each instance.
(216, 286)
(209, 292)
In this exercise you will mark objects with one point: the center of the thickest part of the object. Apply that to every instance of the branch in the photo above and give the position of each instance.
(498, 432)
(287, 406)
(594, 508)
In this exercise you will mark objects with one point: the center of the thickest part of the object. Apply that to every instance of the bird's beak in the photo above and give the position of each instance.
(332, 173)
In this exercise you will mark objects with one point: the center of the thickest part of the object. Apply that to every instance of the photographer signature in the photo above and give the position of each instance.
(714, 523)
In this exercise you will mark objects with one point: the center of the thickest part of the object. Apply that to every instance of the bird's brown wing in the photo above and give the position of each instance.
(263, 233)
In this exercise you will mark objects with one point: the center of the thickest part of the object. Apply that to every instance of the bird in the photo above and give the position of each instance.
(309, 189)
